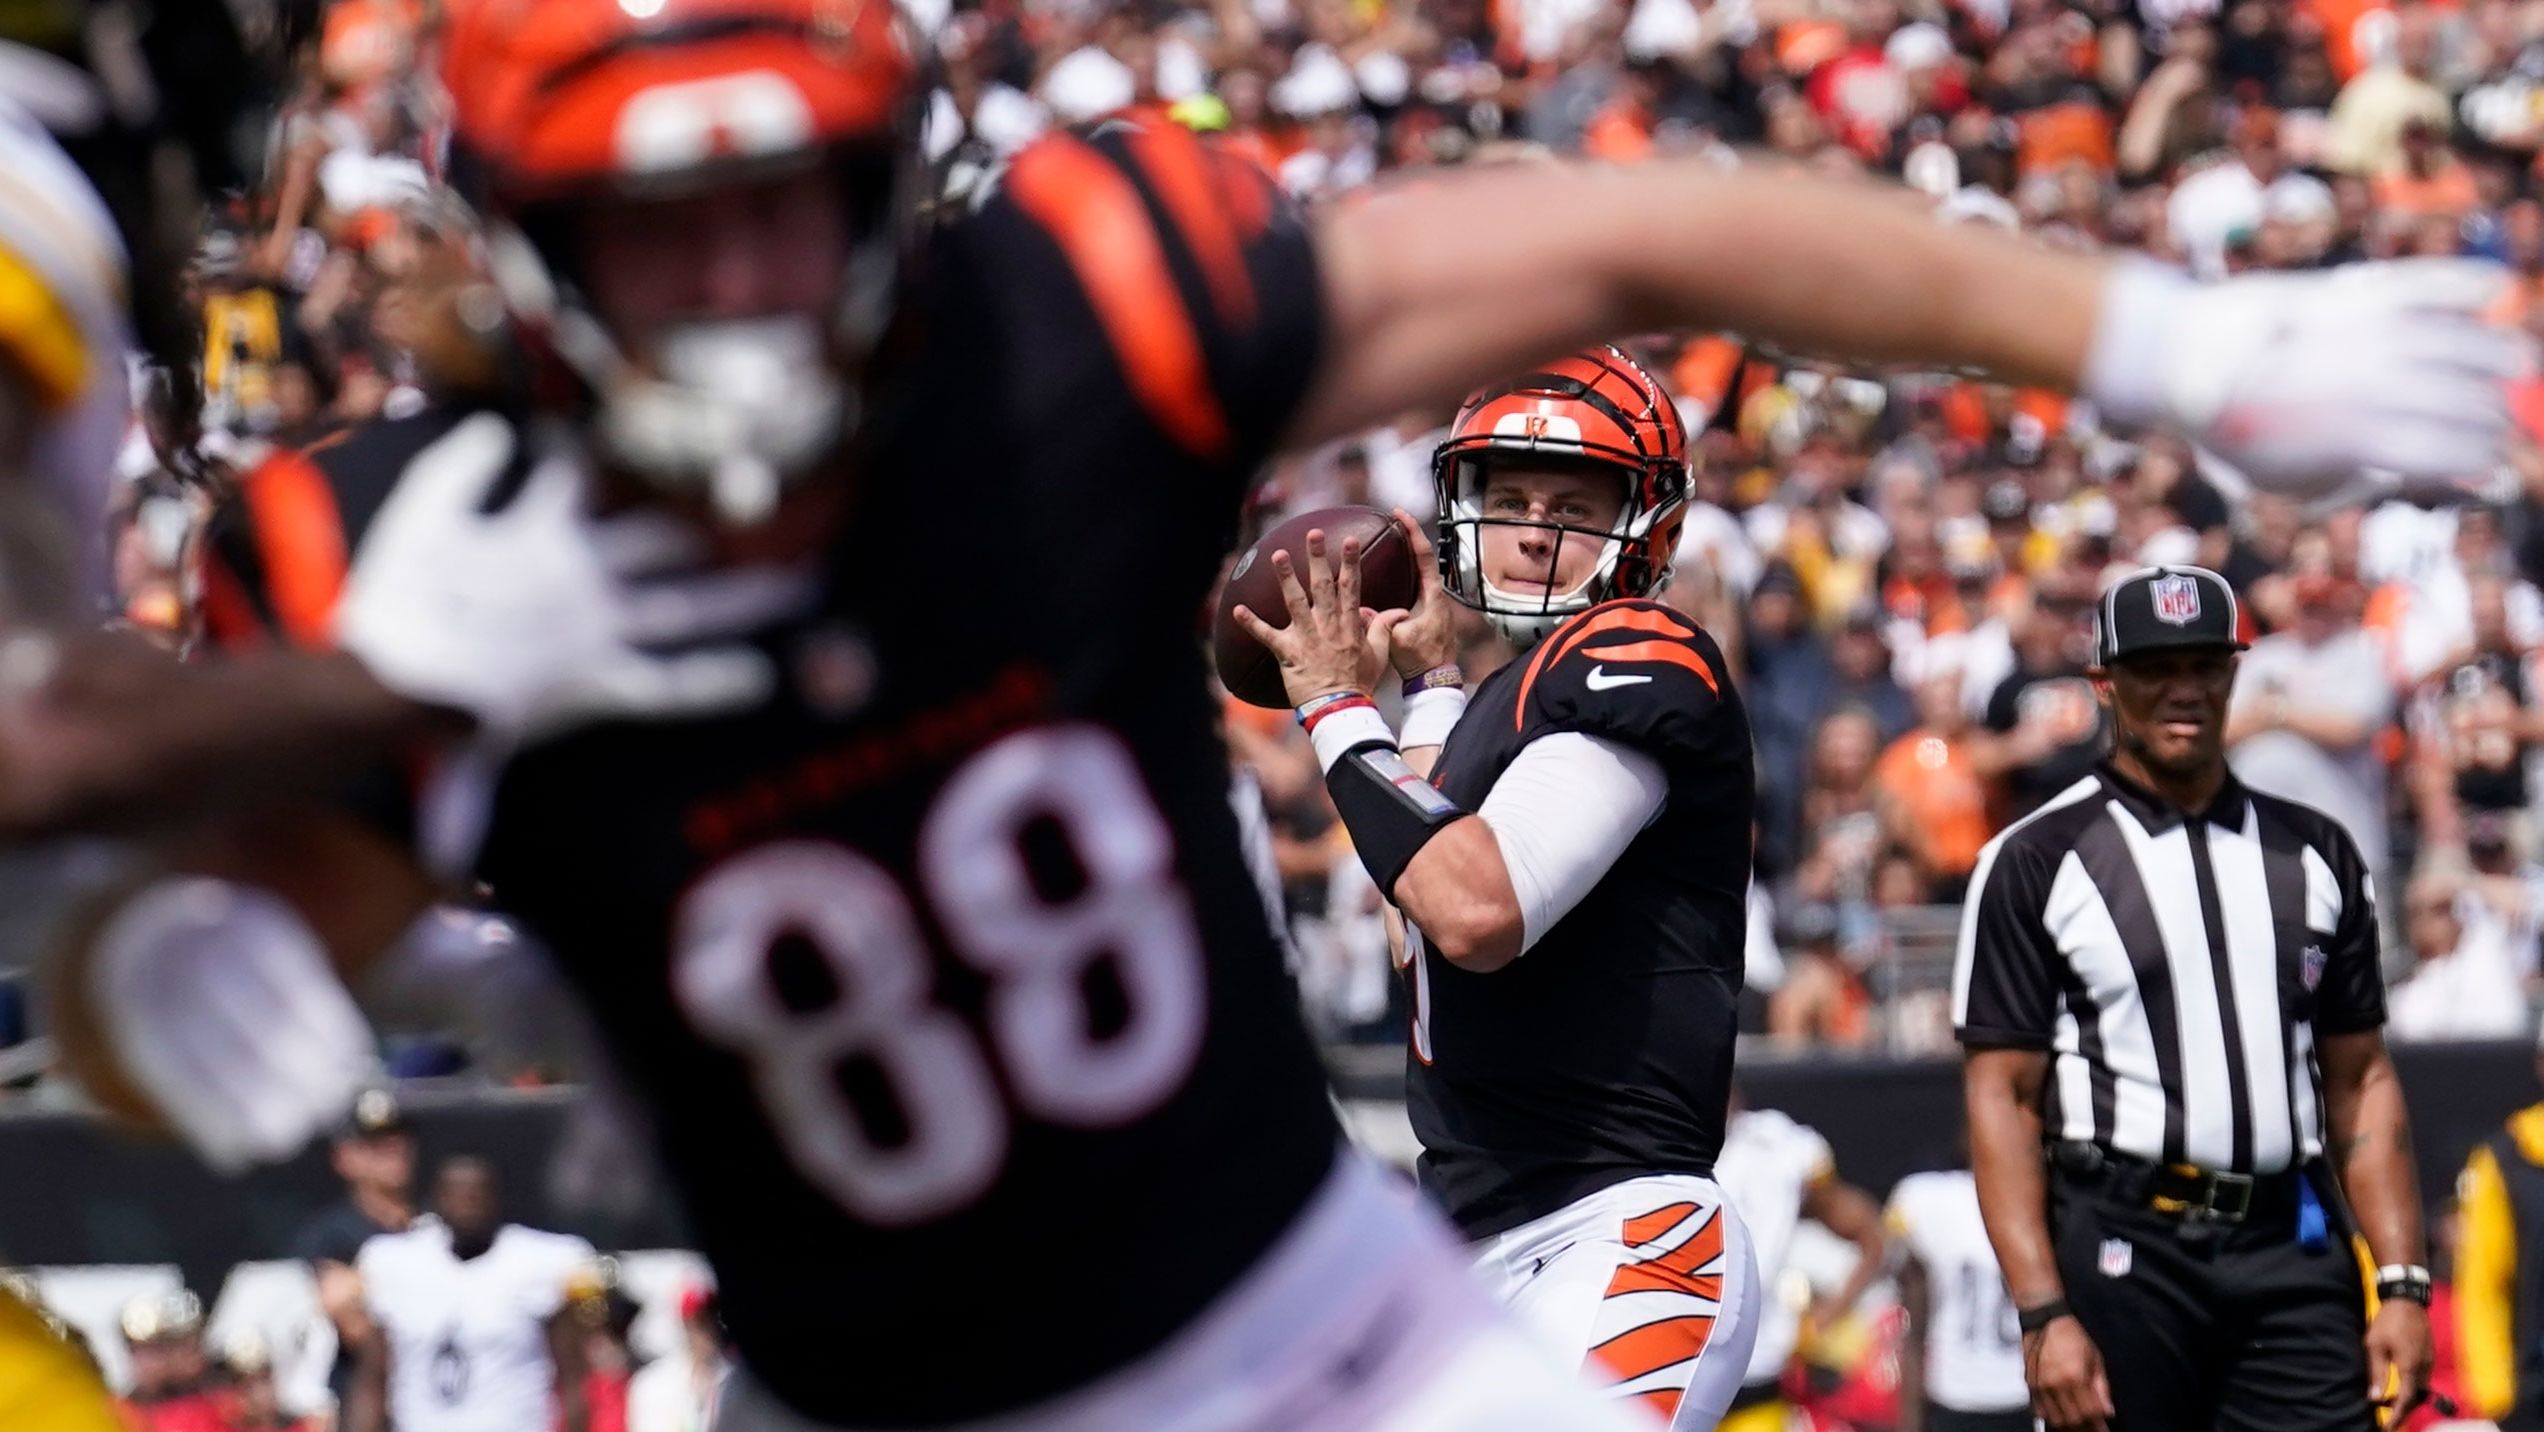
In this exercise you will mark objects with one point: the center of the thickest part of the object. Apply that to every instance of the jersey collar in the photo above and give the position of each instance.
(2158, 815)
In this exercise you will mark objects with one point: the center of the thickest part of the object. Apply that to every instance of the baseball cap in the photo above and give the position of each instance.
(2156, 608)
(375, 1113)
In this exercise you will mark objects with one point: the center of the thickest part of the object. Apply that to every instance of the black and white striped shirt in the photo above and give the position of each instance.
(2178, 968)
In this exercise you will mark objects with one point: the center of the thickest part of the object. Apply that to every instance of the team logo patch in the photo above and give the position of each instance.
(1537, 427)
(2117, 1256)
(2176, 600)
(2310, 967)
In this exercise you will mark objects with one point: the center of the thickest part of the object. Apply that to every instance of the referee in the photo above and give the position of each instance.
(2180, 1104)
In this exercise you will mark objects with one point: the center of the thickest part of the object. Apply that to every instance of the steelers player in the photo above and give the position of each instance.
(879, 824)
(1573, 879)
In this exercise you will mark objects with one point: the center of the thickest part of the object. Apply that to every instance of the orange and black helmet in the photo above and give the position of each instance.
(1598, 410)
(557, 103)
(555, 97)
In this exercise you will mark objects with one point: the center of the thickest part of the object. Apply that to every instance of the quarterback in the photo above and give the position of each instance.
(1574, 882)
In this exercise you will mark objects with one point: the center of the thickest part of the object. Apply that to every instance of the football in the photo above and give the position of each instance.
(1387, 581)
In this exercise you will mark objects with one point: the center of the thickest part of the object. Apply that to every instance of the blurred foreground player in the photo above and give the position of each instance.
(917, 918)
(1573, 878)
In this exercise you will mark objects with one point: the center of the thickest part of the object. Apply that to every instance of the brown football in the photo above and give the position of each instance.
(1387, 581)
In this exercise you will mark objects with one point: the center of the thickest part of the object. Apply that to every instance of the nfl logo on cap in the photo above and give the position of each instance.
(2176, 600)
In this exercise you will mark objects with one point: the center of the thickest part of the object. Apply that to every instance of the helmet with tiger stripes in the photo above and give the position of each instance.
(1596, 410)
(557, 103)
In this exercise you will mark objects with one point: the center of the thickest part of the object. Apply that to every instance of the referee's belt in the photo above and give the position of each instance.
(2177, 1190)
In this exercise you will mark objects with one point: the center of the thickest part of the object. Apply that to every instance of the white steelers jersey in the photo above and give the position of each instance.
(62, 327)
(468, 1339)
(1768, 1162)
(1974, 1352)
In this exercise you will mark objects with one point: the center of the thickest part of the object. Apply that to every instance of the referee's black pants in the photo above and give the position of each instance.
(2235, 1327)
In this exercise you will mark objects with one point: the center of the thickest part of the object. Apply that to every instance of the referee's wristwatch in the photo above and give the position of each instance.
(2408, 1281)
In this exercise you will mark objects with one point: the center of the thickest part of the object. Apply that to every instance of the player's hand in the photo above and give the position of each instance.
(1422, 636)
(1327, 646)
(2302, 381)
(2069, 1391)
(2399, 1356)
(218, 1005)
(533, 615)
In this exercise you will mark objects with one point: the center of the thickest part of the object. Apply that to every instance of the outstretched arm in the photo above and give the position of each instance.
(1581, 253)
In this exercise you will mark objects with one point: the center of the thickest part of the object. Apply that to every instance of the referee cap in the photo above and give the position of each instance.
(2155, 608)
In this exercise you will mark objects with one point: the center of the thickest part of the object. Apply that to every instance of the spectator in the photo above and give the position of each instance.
(606, 1314)
(678, 1392)
(2474, 725)
(1822, 1003)
(173, 1387)
(2309, 704)
(1933, 801)
(2365, 134)
(252, 1403)
(2457, 988)
(2503, 892)
(374, 1157)
(2044, 724)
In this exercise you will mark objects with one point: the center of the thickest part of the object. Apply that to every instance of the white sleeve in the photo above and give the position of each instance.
(1562, 812)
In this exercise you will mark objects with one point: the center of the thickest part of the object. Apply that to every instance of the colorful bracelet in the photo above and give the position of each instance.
(1439, 677)
(1317, 708)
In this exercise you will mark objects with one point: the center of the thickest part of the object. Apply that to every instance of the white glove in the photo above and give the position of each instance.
(219, 1004)
(538, 616)
(2302, 381)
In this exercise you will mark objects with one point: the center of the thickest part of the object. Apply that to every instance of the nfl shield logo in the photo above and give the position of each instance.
(2310, 967)
(2176, 600)
(2116, 1257)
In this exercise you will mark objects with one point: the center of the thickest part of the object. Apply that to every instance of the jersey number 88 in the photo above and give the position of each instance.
(1035, 953)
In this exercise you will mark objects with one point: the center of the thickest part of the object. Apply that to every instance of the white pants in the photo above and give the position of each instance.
(1363, 1318)
(1648, 1285)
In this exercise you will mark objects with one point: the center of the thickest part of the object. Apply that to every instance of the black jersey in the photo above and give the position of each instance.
(966, 1044)
(1604, 1052)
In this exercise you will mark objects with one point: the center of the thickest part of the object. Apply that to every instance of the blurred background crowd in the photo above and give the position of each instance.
(1902, 567)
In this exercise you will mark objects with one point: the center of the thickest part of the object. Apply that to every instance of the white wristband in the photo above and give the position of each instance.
(2134, 343)
(1339, 733)
(1430, 715)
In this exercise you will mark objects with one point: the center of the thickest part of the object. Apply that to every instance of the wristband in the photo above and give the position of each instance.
(1438, 678)
(2033, 1319)
(1389, 812)
(1430, 715)
(1316, 706)
(2407, 1281)
(1344, 727)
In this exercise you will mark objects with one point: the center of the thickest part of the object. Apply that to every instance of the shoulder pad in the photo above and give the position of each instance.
(1635, 671)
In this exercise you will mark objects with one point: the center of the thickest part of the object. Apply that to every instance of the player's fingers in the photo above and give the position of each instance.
(1320, 573)
(2380, 1374)
(642, 542)
(1272, 638)
(715, 606)
(1293, 595)
(1426, 565)
(1347, 576)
